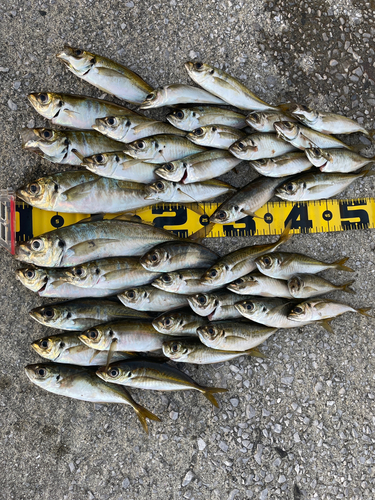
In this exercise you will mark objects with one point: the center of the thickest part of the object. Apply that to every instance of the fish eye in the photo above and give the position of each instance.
(79, 272)
(42, 372)
(43, 98)
(167, 321)
(159, 185)
(30, 274)
(77, 52)
(305, 108)
(213, 273)
(99, 158)
(37, 244)
(110, 120)
(249, 306)
(180, 115)
(198, 65)
(211, 331)
(241, 145)
(316, 151)
(150, 97)
(239, 281)
(298, 310)
(202, 299)
(166, 278)
(154, 257)
(140, 144)
(174, 347)
(113, 372)
(47, 134)
(48, 313)
(168, 166)
(289, 187)
(92, 334)
(255, 116)
(267, 261)
(131, 294)
(44, 344)
(288, 125)
(222, 215)
(198, 131)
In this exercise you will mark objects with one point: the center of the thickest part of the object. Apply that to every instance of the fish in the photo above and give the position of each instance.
(67, 348)
(105, 74)
(173, 192)
(78, 315)
(316, 186)
(199, 167)
(125, 335)
(82, 191)
(283, 166)
(74, 111)
(284, 265)
(260, 145)
(247, 200)
(172, 256)
(322, 309)
(190, 118)
(180, 322)
(113, 272)
(47, 283)
(259, 284)
(82, 383)
(193, 351)
(89, 240)
(303, 137)
(240, 262)
(326, 123)
(262, 121)
(129, 128)
(271, 312)
(161, 148)
(185, 281)
(234, 335)
(149, 298)
(59, 146)
(304, 286)
(216, 136)
(225, 86)
(336, 159)
(177, 93)
(217, 305)
(154, 376)
(120, 166)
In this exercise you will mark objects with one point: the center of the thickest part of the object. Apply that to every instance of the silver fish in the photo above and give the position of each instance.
(217, 305)
(197, 116)
(177, 93)
(74, 111)
(336, 160)
(304, 138)
(59, 146)
(260, 145)
(161, 148)
(128, 128)
(185, 281)
(198, 167)
(262, 121)
(78, 315)
(105, 74)
(149, 298)
(259, 284)
(322, 309)
(179, 323)
(215, 136)
(173, 192)
(83, 384)
(120, 166)
(282, 166)
(303, 286)
(225, 86)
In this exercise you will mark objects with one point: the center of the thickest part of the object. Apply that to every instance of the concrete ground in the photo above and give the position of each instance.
(298, 425)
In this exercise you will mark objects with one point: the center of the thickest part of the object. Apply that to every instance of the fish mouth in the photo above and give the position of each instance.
(22, 251)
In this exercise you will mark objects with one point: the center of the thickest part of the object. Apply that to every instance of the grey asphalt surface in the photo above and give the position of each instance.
(298, 425)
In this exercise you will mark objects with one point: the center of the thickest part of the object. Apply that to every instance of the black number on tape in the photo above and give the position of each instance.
(299, 216)
(347, 212)
(248, 230)
(179, 218)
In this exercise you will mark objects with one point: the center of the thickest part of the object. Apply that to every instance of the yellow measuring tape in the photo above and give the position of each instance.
(307, 217)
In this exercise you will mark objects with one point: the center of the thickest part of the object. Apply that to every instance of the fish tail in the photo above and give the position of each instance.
(209, 391)
(287, 108)
(339, 264)
(202, 233)
(370, 134)
(255, 352)
(364, 311)
(142, 414)
(286, 234)
(346, 287)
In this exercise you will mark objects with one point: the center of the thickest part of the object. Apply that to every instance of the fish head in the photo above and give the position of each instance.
(304, 114)
(245, 282)
(257, 120)
(170, 282)
(291, 190)
(288, 131)
(173, 171)
(116, 127)
(264, 166)
(199, 71)
(49, 315)
(142, 149)
(78, 61)
(203, 303)
(44, 375)
(81, 275)
(134, 297)
(318, 157)
(269, 263)
(115, 373)
(48, 141)
(161, 190)
(244, 149)
(49, 347)
(252, 308)
(45, 250)
(169, 323)
(103, 163)
(295, 286)
(99, 337)
(155, 258)
(176, 350)
(203, 135)
(48, 104)
(229, 213)
(185, 119)
(41, 193)
(211, 334)
(302, 312)
(154, 99)
(32, 278)
(216, 275)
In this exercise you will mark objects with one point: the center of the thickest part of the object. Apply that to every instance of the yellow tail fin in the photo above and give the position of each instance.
(364, 310)
(142, 414)
(209, 391)
(255, 352)
(346, 287)
(339, 264)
